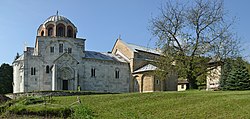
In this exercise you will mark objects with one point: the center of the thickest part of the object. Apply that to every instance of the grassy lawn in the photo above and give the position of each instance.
(165, 105)
(189, 104)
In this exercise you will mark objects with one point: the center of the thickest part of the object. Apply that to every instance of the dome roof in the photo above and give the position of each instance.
(56, 18)
(57, 26)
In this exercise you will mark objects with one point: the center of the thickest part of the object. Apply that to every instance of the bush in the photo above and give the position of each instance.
(31, 100)
(34, 106)
(37, 106)
(40, 110)
(82, 112)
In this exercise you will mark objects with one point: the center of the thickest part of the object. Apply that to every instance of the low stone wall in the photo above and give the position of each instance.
(53, 93)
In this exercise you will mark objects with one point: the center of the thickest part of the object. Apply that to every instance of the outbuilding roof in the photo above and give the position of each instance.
(103, 56)
(148, 67)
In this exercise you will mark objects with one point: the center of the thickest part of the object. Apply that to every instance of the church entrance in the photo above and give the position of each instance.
(66, 76)
(65, 84)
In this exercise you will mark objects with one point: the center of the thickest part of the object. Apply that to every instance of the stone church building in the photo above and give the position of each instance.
(59, 61)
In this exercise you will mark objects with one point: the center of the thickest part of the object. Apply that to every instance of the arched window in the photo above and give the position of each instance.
(60, 30)
(117, 73)
(47, 69)
(70, 31)
(42, 33)
(33, 71)
(50, 31)
(92, 72)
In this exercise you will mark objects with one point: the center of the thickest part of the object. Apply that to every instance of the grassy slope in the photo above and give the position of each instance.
(190, 104)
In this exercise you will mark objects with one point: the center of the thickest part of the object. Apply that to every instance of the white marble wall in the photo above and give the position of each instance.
(80, 68)
(105, 76)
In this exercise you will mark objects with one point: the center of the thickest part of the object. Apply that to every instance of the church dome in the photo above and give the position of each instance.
(57, 18)
(57, 26)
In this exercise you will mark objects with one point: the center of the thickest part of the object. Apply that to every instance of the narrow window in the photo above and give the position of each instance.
(117, 73)
(34, 71)
(157, 82)
(60, 48)
(50, 31)
(92, 72)
(31, 70)
(47, 69)
(69, 31)
(42, 33)
(69, 50)
(51, 49)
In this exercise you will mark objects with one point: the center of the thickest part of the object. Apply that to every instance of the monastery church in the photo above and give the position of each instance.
(59, 61)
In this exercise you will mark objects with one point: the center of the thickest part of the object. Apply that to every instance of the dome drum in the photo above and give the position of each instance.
(57, 26)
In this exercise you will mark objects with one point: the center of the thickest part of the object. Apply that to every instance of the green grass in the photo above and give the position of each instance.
(170, 105)
(189, 104)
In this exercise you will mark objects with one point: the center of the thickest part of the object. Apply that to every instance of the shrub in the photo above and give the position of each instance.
(31, 100)
(82, 112)
(40, 110)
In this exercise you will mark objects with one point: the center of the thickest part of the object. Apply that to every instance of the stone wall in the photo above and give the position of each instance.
(104, 79)
(53, 93)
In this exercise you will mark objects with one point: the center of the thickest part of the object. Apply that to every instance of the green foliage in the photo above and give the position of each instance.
(40, 110)
(201, 81)
(167, 105)
(235, 75)
(238, 79)
(192, 34)
(225, 71)
(39, 106)
(34, 106)
(6, 78)
(31, 100)
(82, 112)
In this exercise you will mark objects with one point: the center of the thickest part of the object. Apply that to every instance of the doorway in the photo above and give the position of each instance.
(65, 84)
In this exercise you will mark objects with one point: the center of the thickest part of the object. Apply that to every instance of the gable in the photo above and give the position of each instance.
(66, 58)
(120, 48)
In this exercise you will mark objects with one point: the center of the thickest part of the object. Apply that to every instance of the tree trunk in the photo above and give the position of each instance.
(192, 81)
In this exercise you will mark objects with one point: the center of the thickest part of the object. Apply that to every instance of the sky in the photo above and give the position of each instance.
(100, 22)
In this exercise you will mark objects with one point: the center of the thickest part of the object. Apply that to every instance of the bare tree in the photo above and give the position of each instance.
(191, 35)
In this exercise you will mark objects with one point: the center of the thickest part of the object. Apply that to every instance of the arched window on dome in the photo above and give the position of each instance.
(42, 33)
(60, 30)
(50, 31)
(70, 31)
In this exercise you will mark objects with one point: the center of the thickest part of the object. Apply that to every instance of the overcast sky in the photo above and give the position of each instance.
(99, 21)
